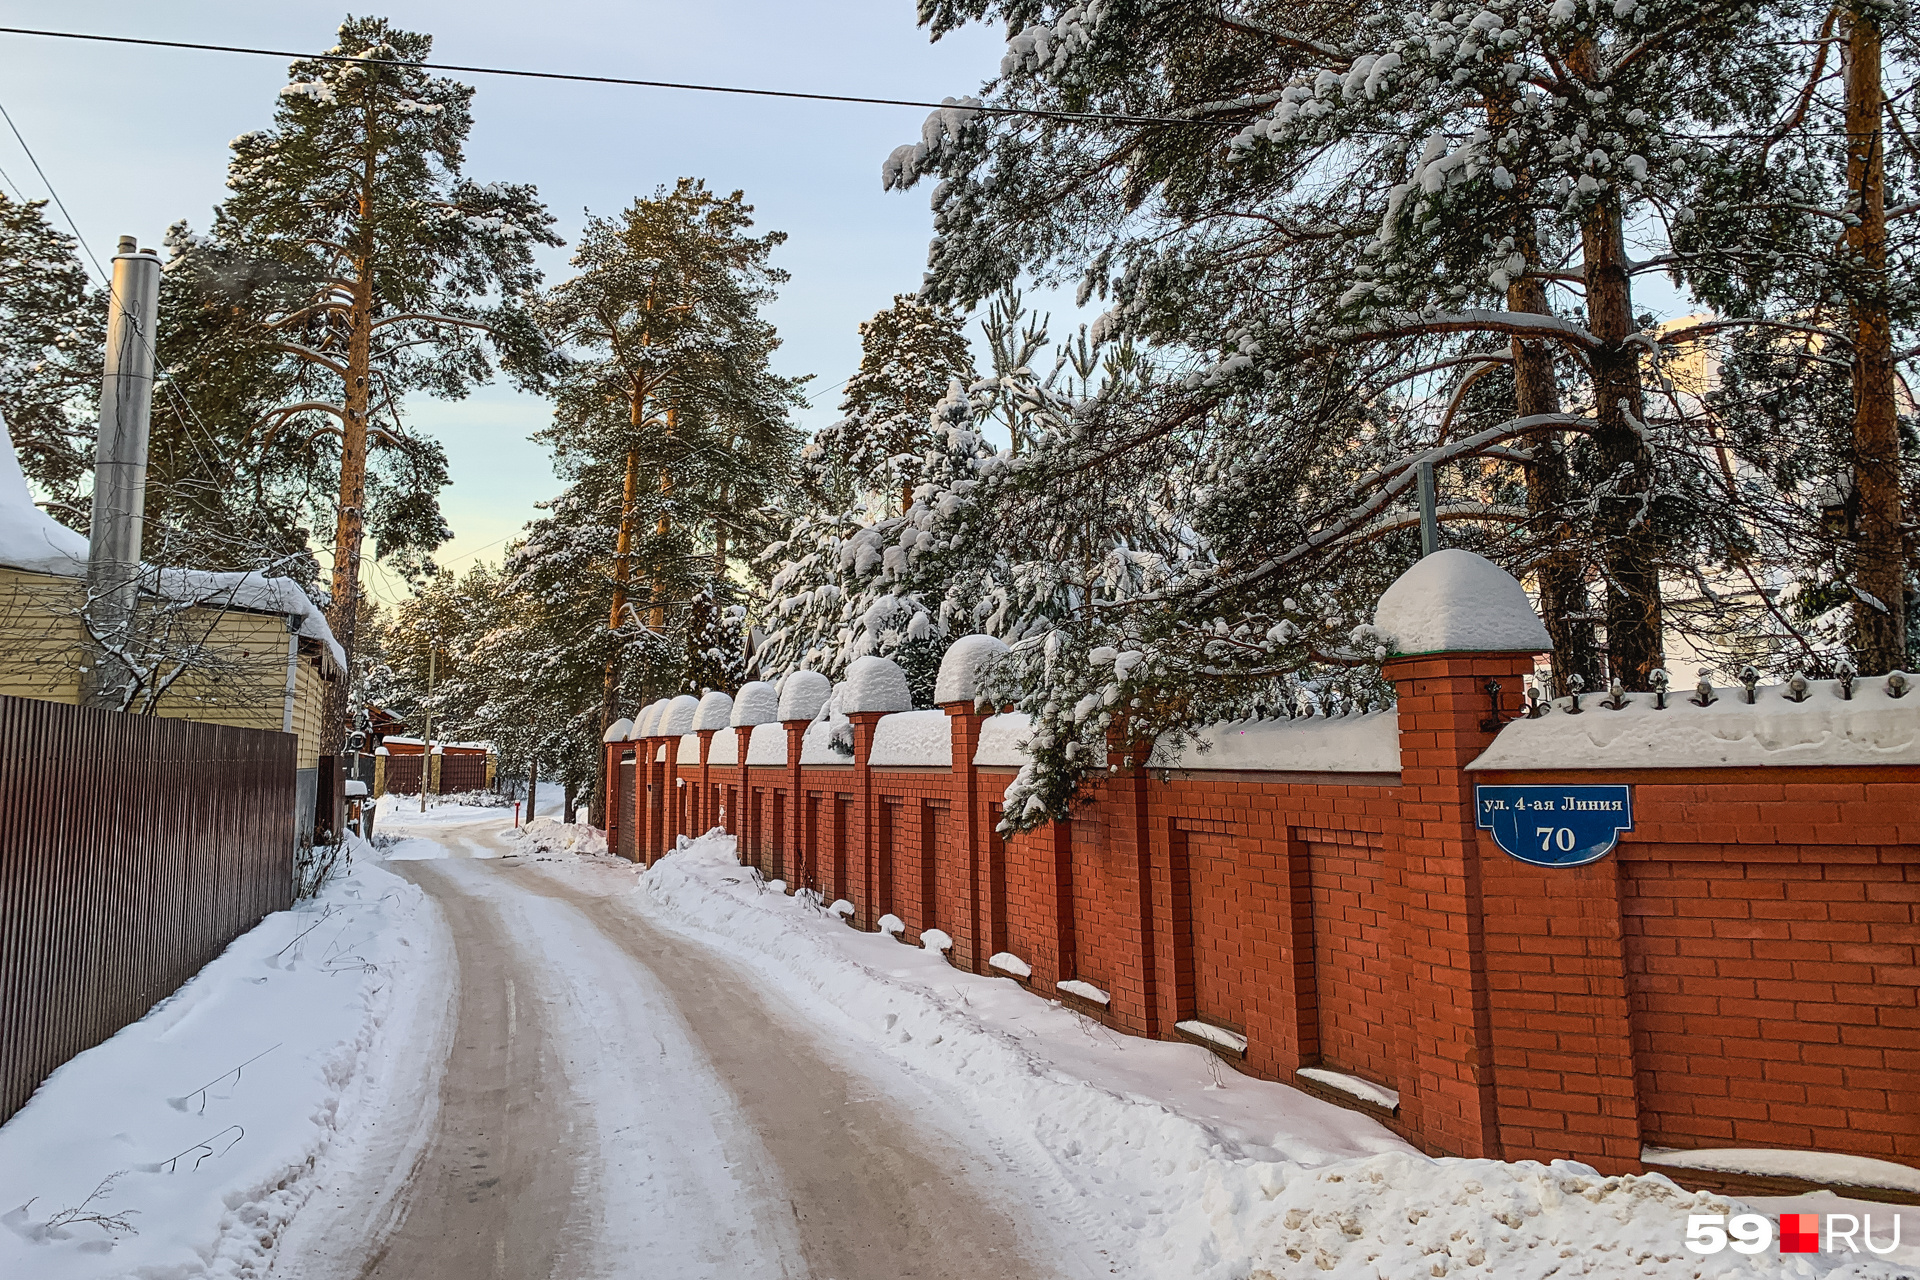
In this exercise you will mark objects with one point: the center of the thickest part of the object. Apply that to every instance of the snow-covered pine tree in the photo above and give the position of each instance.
(670, 427)
(382, 270)
(909, 352)
(52, 339)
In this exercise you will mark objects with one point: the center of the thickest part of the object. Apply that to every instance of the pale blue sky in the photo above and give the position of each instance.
(136, 138)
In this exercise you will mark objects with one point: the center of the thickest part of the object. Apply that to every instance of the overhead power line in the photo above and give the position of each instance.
(1090, 117)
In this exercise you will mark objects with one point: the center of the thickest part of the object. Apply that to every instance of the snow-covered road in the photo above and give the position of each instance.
(601, 1097)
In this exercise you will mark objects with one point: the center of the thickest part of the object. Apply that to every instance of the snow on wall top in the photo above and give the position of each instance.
(960, 671)
(768, 744)
(1454, 601)
(817, 746)
(1344, 744)
(1825, 729)
(875, 684)
(757, 703)
(725, 749)
(912, 738)
(31, 539)
(676, 717)
(715, 708)
(803, 694)
(1001, 740)
(618, 730)
(689, 752)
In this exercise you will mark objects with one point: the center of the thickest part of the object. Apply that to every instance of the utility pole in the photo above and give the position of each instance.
(120, 471)
(426, 743)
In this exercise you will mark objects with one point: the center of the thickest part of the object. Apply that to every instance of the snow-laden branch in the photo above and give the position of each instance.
(430, 318)
(1521, 324)
(311, 356)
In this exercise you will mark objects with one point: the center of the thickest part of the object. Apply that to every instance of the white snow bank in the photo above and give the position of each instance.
(912, 738)
(1344, 744)
(817, 744)
(768, 744)
(874, 683)
(1007, 962)
(1192, 1170)
(757, 703)
(1872, 728)
(1003, 740)
(725, 748)
(618, 730)
(1214, 1035)
(715, 709)
(1828, 1167)
(964, 666)
(1365, 1090)
(218, 1109)
(687, 751)
(551, 835)
(1454, 601)
(803, 694)
(677, 717)
(1085, 990)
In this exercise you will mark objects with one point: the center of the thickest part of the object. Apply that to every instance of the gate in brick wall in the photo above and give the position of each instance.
(132, 851)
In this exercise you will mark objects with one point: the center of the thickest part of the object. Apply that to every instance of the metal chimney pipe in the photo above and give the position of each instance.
(120, 466)
(1429, 511)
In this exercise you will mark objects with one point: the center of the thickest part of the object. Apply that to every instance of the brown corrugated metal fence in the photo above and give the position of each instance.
(462, 773)
(132, 851)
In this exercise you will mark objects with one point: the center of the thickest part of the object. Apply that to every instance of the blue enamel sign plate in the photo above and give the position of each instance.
(1555, 826)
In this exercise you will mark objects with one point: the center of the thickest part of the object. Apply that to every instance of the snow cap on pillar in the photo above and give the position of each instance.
(714, 709)
(757, 703)
(618, 730)
(1454, 601)
(964, 667)
(875, 684)
(676, 717)
(643, 725)
(803, 694)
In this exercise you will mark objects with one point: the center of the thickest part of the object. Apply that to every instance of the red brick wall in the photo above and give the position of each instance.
(1743, 970)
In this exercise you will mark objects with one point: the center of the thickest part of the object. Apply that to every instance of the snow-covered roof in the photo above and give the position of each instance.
(689, 752)
(31, 539)
(757, 703)
(965, 663)
(256, 592)
(803, 694)
(1001, 740)
(875, 684)
(725, 748)
(912, 738)
(1825, 729)
(618, 730)
(1454, 601)
(676, 717)
(1344, 744)
(768, 745)
(715, 707)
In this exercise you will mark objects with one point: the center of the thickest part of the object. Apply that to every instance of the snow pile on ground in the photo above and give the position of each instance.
(551, 835)
(182, 1146)
(1871, 727)
(1198, 1171)
(1341, 744)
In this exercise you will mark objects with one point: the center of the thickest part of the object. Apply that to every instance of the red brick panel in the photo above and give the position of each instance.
(1354, 1000)
(1210, 962)
(1775, 1003)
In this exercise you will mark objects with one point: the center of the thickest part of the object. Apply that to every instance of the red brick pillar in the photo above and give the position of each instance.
(706, 810)
(1137, 895)
(867, 825)
(794, 855)
(669, 794)
(963, 800)
(610, 770)
(1445, 1043)
(736, 824)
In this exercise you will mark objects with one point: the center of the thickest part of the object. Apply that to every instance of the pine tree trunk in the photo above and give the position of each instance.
(1628, 546)
(1879, 559)
(350, 525)
(1563, 587)
(657, 615)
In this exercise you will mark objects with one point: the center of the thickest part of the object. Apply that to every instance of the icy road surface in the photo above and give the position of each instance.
(604, 1098)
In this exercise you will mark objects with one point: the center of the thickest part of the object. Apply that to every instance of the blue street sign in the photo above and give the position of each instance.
(1555, 826)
